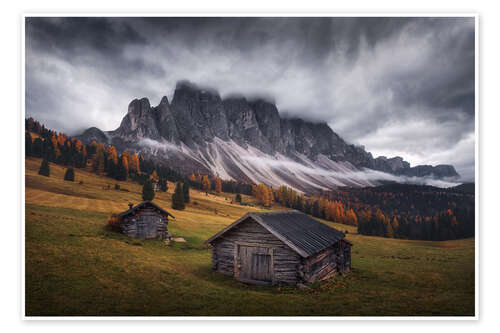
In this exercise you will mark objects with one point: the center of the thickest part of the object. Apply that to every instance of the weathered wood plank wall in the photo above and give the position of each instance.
(287, 266)
(146, 222)
(328, 263)
(285, 260)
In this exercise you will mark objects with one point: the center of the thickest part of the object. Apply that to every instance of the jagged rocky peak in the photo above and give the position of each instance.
(199, 114)
(186, 90)
(196, 116)
(164, 101)
(311, 139)
(239, 112)
(269, 121)
(243, 127)
(139, 122)
(139, 107)
(165, 121)
(395, 164)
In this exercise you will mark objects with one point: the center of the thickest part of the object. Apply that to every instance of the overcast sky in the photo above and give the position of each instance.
(398, 86)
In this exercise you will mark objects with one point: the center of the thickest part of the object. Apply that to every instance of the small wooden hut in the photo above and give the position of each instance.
(146, 220)
(285, 247)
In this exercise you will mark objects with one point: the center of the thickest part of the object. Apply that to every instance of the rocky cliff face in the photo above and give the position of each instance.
(198, 124)
(139, 122)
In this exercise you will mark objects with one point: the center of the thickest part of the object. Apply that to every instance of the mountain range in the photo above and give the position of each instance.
(247, 140)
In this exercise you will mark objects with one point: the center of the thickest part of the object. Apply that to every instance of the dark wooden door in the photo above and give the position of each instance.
(255, 264)
(141, 228)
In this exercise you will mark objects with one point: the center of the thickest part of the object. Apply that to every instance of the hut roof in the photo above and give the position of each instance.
(303, 234)
(144, 204)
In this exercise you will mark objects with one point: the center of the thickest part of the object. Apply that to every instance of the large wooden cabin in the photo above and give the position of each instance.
(146, 220)
(285, 247)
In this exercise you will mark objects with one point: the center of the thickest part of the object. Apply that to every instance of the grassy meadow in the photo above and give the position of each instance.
(76, 267)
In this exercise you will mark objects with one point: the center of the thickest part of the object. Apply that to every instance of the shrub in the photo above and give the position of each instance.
(80, 182)
(117, 186)
(185, 190)
(178, 198)
(70, 175)
(44, 168)
(238, 198)
(114, 223)
(148, 192)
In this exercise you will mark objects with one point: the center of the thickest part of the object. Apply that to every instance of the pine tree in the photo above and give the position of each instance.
(148, 192)
(315, 208)
(299, 203)
(163, 185)
(178, 198)
(238, 198)
(69, 175)
(30, 124)
(389, 232)
(307, 206)
(185, 191)
(44, 168)
(121, 172)
(28, 144)
(37, 147)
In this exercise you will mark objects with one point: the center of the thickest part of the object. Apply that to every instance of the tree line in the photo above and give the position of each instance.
(393, 210)
(204, 182)
(410, 211)
(104, 159)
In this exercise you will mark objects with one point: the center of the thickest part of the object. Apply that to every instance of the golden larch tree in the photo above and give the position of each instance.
(154, 176)
(133, 163)
(218, 185)
(111, 154)
(98, 164)
(125, 163)
(206, 183)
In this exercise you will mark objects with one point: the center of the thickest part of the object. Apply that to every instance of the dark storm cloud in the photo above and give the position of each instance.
(399, 86)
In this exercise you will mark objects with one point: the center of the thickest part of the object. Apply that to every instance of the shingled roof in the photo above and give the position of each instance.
(144, 204)
(300, 232)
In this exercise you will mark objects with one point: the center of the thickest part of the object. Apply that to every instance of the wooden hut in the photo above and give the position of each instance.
(285, 247)
(146, 220)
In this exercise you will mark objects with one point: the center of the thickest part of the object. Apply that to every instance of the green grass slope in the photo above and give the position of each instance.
(75, 267)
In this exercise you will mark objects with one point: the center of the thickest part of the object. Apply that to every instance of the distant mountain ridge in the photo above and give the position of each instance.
(237, 138)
